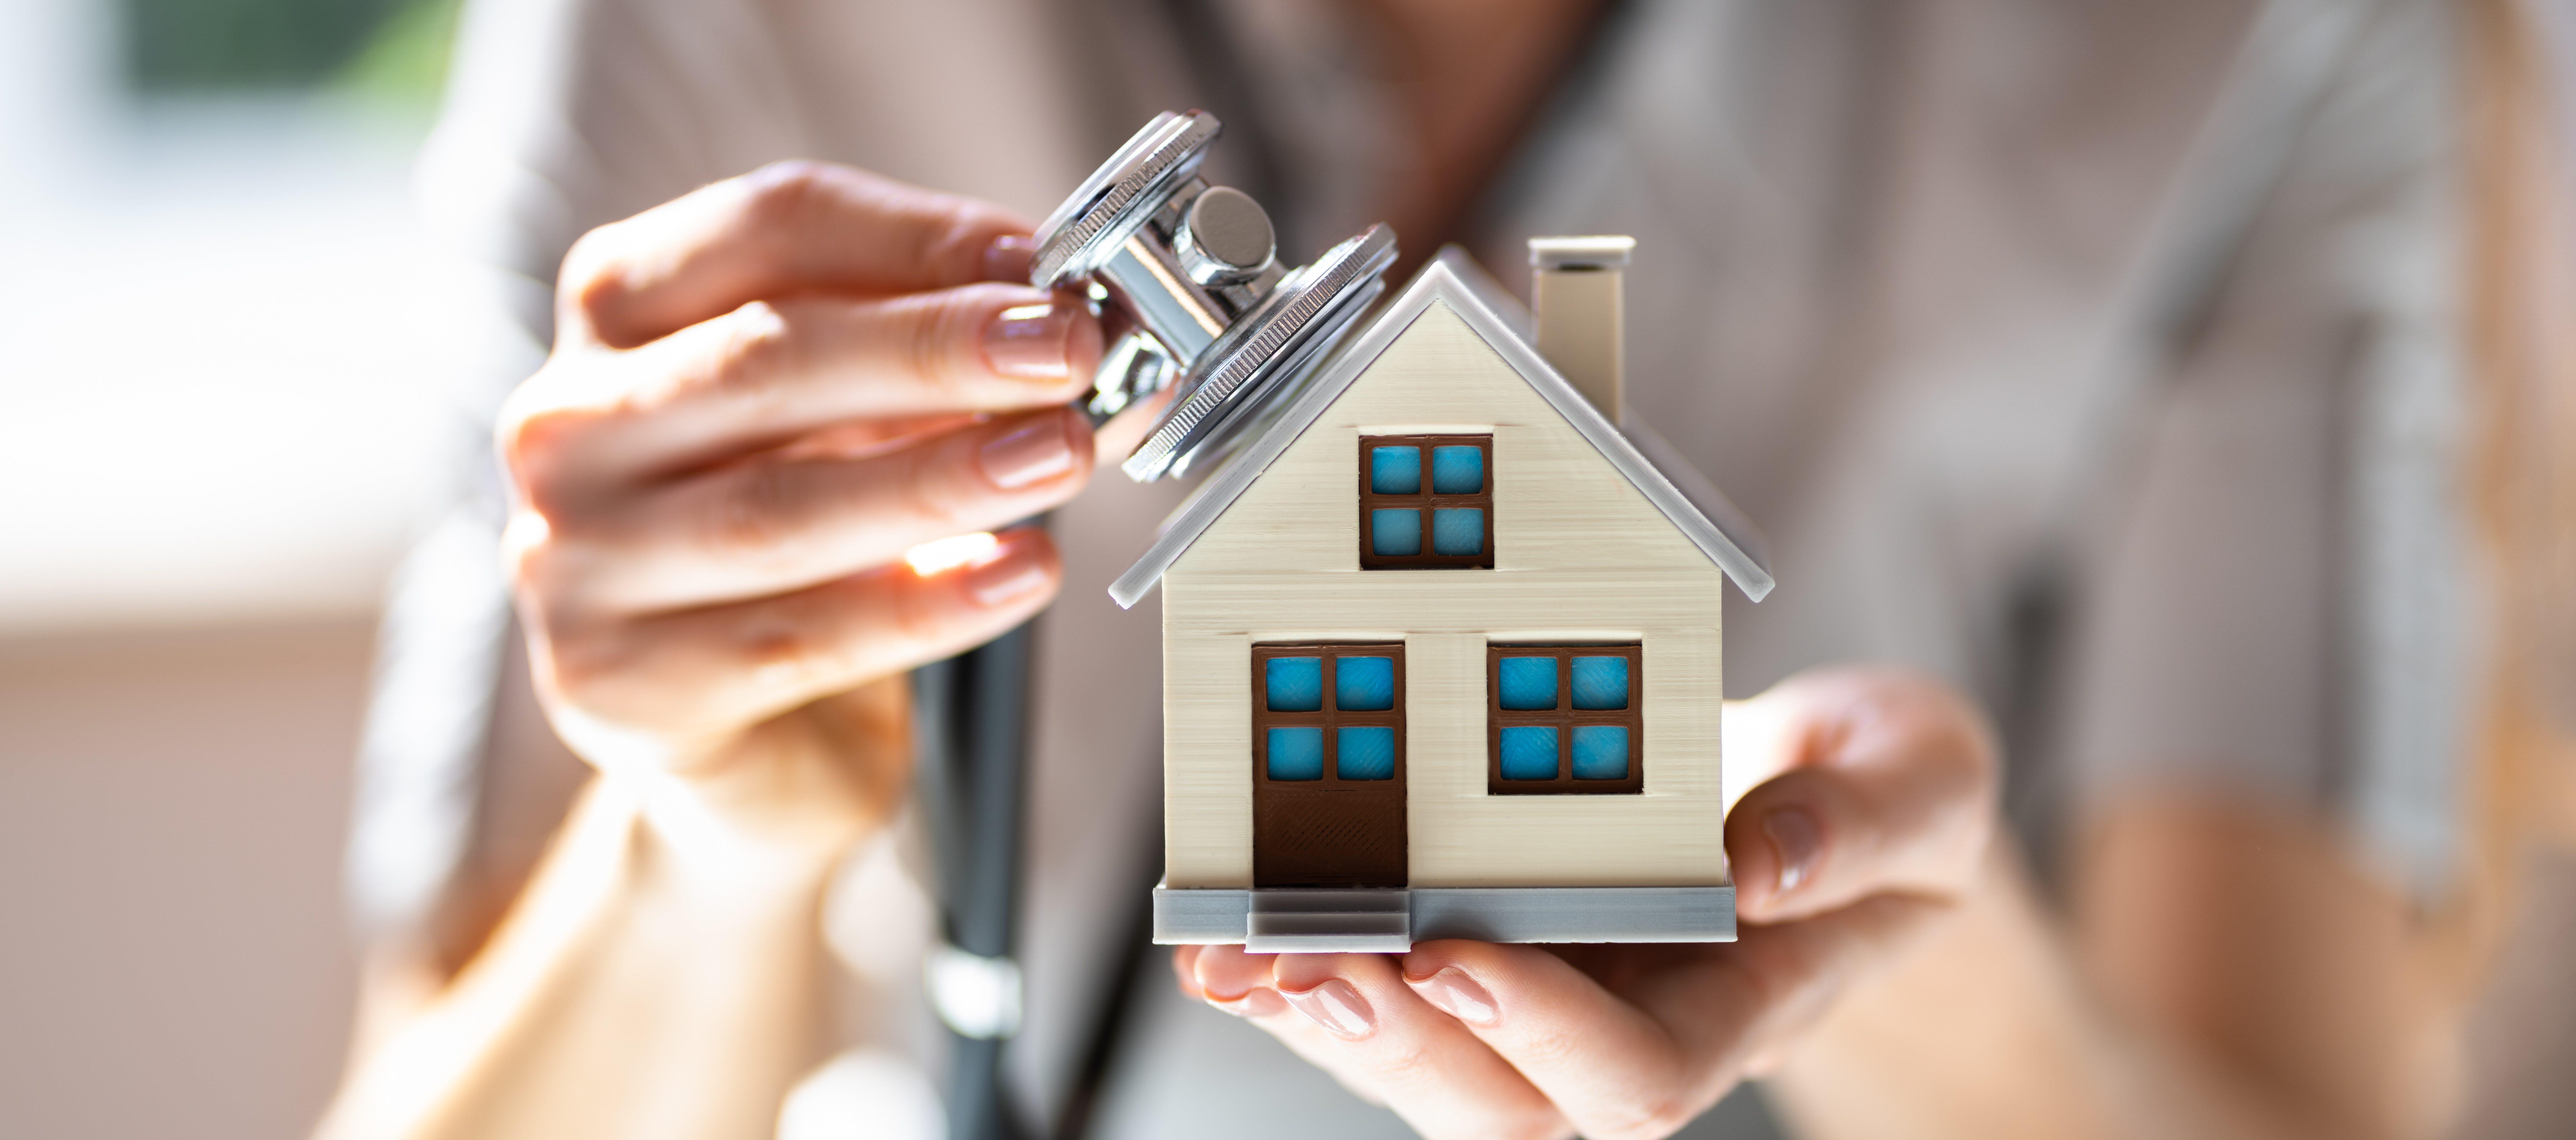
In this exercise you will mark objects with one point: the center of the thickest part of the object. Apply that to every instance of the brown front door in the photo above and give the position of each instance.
(1328, 765)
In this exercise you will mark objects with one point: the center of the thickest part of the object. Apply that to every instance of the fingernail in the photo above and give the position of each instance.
(1030, 453)
(1337, 1007)
(1457, 995)
(1017, 573)
(1794, 836)
(1262, 1001)
(1027, 342)
(1008, 258)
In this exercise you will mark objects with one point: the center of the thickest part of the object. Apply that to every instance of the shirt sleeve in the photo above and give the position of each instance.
(2277, 606)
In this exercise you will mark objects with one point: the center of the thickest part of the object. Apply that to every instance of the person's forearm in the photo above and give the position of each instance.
(1988, 1032)
(1975, 1034)
(661, 977)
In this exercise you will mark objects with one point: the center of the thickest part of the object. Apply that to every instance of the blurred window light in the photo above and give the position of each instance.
(979, 997)
(234, 375)
(864, 1094)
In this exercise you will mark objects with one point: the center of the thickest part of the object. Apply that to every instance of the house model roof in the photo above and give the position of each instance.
(1652, 466)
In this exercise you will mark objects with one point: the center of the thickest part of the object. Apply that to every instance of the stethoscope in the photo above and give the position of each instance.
(1188, 276)
(1194, 271)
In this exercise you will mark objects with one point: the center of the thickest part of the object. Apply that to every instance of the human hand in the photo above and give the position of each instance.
(1872, 802)
(761, 396)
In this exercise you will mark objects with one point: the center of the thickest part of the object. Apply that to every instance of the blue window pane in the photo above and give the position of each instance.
(1296, 754)
(1366, 753)
(1601, 682)
(1294, 684)
(1364, 684)
(1395, 470)
(1600, 752)
(1529, 752)
(1457, 470)
(1458, 532)
(1529, 682)
(1395, 532)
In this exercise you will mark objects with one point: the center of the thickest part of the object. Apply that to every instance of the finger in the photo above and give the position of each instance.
(1737, 1004)
(1118, 438)
(1889, 784)
(768, 527)
(859, 439)
(1760, 742)
(1185, 960)
(1245, 986)
(1236, 982)
(700, 675)
(769, 373)
(1661, 1042)
(791, 227)
(1609, 1067)
(1430, 1069)
(1316, 1046)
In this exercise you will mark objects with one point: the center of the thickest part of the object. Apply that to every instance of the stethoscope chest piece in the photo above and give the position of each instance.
(1195, 268)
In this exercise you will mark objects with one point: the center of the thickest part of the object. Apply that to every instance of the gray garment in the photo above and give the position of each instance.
(1881, 250)
(1894, 260)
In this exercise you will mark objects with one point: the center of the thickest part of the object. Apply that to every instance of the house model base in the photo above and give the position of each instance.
(1358, 920)
(1442, 651)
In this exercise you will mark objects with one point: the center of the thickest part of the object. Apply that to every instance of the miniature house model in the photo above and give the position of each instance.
(1441, 646)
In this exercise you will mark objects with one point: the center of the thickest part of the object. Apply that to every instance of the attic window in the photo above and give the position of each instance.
(1426, 502)
(1564, 719)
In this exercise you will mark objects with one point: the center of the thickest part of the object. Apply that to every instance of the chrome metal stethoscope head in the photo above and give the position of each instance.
(1196, 268)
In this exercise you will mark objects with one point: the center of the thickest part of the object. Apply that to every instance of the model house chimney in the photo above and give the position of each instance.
(1574, 292)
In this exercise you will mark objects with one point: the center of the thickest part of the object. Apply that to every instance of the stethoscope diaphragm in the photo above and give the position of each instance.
(1195, 268)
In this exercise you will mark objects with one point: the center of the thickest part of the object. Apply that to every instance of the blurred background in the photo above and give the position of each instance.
(211, 264)
(205, 214)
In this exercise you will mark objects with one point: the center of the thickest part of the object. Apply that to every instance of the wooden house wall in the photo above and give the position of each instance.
(1580, 556)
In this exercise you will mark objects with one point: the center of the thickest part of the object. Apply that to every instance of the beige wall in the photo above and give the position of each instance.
(1579, 556)
(172, 952)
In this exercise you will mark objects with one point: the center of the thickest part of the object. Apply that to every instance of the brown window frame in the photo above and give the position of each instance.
(1330, 717)
(1426, 502)
(1565, 718)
